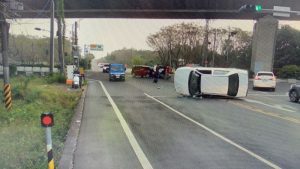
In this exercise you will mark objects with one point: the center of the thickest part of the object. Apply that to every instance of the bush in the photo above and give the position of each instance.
(289, 71)
(56, 78)
(12, 70)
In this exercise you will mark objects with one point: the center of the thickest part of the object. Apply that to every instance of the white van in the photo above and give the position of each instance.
(191, 81)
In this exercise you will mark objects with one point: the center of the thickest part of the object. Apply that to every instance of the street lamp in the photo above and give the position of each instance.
(51, 65)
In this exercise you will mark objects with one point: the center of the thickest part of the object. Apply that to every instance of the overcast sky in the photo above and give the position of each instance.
(119, 33)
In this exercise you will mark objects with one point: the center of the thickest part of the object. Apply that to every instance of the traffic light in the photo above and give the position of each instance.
(258, 8)
(47, 119)
(250, 8)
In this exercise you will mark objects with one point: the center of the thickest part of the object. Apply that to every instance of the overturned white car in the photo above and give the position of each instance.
(197, 81)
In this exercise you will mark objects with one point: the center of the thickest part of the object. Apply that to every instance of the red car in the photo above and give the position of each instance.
(141, 71)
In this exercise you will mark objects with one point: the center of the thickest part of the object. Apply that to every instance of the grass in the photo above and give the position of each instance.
(22, 139)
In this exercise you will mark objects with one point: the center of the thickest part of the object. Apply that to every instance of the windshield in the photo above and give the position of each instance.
(117, 68)
(149, 84)
(264, 74)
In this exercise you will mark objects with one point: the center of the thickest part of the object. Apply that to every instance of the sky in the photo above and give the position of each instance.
(116, 34)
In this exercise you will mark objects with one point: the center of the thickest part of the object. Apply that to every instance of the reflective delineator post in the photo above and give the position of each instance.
(47, 121)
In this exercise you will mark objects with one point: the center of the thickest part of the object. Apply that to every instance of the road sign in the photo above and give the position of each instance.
(47, 119)
(96, 47)
(282, 11)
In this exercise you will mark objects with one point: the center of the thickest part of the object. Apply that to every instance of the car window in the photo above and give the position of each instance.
(117, 68)
(265, 74)
(204, 71)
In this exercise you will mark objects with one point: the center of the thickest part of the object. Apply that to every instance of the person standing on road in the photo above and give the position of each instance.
(156, 74)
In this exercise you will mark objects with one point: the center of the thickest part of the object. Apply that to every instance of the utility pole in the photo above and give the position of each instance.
(6, 11)
(4, 42)
(206, 43)
(214, 48)
(52, 37)
(76, 53)
(60, 45)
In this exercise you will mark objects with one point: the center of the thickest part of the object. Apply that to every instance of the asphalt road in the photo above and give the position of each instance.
(138, 124)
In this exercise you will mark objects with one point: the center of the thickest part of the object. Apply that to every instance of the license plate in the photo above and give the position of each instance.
(118, 76)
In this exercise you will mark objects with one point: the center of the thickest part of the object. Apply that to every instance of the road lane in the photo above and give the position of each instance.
(171, 142)
(102, 142)
(168, 140)
(217, 134)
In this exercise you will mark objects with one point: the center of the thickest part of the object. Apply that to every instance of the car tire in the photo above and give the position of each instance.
(293, 95)
(254, 88)
(273, 89)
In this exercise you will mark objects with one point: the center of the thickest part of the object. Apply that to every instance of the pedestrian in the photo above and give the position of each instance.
(156, 74)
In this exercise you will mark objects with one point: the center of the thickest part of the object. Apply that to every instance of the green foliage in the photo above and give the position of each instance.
(12, 69)
(137, 60)
(126, 56)
(22, 139)
(287, 47)
(56, 78)
(289, 71)
(33, 50)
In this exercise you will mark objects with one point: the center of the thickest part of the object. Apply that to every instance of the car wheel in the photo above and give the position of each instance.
(254, 88)
(273, 89)
(293, 96)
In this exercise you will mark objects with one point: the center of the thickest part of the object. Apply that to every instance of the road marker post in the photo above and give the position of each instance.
(7, 96)
(47, 121)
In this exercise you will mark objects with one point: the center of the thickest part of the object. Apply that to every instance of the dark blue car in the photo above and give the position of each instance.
(117, 72)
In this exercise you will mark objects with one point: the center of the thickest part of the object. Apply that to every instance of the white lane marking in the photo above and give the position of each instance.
(133, 142)
(270, 95)
(218, 135)
(268, 105)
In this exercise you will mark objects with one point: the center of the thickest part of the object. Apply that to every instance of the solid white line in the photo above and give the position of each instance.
(217, 134)
(133, 142)
(270, 95)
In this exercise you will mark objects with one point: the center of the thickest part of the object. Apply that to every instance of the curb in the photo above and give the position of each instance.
(67, 158)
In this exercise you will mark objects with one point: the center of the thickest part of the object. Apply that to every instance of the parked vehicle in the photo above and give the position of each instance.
(76, 81)
(117, 72)
(200, 81)
(141, 71)
(105, 68)
(264, 79)
(164, 72)
(294, 93)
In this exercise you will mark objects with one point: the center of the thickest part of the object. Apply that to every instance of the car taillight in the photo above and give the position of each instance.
(273, 78)
(257, 78)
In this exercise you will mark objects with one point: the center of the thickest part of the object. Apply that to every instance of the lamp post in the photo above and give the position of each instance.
(51, 66)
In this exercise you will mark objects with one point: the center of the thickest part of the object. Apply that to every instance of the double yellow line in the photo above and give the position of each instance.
(272, 114)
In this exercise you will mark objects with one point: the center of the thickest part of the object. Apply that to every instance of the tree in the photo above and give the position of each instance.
(126, 56)
(287, 47)
(177, 42)
(32, 50)
(137, 60)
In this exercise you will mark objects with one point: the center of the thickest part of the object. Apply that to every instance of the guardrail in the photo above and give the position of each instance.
(30, 70)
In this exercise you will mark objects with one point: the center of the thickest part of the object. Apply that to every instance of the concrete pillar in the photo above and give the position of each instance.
(263, 45)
